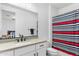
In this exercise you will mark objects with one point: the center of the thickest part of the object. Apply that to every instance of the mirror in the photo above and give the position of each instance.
(16, 21)
(8, 24)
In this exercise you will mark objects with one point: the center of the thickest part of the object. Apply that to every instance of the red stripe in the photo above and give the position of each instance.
(66, 42)
(64, 51)
(66, 22)
(66, 32)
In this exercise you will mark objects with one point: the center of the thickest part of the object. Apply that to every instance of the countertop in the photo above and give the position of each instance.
(14, 44)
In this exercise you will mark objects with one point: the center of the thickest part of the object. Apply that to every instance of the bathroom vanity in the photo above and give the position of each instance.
(33, 47)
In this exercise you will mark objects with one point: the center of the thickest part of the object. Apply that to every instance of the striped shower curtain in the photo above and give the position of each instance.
(65, 32)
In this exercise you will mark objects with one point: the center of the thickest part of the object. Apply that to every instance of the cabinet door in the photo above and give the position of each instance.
(41, 52)
(31, 53)
(7, 53)
(24, 50)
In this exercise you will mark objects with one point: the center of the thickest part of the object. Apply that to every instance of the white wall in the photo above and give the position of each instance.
(43, 10)
(52, 12)
(24, 19)
(69, 8)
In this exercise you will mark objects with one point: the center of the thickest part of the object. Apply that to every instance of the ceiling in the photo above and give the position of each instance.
(60, 5)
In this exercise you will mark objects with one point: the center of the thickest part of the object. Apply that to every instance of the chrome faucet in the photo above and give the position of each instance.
(21, 38)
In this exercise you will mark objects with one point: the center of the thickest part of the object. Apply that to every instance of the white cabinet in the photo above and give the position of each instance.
(41, 49)
(31, 53)
(37, 49)
(24, 50)
(7, 53)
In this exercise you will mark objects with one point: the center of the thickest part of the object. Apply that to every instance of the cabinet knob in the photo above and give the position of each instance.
(41, 45)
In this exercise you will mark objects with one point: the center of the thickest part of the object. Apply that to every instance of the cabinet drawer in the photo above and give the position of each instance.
(41, 45)
(7, 53)
(24, 50)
